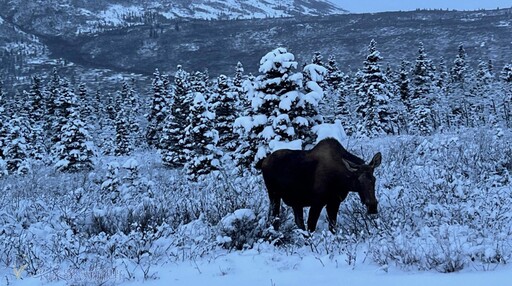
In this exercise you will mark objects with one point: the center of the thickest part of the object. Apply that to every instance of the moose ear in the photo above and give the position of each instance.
(377, 159)
(350, 166)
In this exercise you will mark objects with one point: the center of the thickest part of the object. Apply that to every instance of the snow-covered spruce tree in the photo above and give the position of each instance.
(404, 84)
(238, 78)
(52, 93)
(130, 108)
(318, 60)
(16, 152)
(74, 150)
(422, 74)
(133, 106)
(158, 111)
(123, 139)
(237, 87)
(376, 111)
(86, 104)
(172, 142)
(335, 77)
(201, 139)
(111, 102)
(442, 81)
(275, 111)
(35, 111)
(224, 105)
(460, 97)
(64, 102)
(36, 101)
(458, 71)
(422, 99)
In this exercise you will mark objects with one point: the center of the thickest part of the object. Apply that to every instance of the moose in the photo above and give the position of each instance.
(322, 176)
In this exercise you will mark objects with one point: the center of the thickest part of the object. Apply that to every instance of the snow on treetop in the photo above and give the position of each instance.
(277, 60)
(315, 72)
(330, 130)
(291, 145)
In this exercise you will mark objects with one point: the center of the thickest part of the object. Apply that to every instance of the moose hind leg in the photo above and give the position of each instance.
(298, 212)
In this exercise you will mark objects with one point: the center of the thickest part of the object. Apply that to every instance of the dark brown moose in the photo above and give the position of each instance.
(322, 176)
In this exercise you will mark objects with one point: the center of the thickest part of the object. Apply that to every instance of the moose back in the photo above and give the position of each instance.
(322, 176)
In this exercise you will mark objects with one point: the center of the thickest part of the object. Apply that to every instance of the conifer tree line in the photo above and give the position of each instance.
(198, 123)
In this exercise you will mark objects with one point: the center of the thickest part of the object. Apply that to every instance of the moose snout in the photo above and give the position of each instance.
(372, 208)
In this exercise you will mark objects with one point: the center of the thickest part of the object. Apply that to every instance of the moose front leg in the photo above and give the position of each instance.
(298, 212)
(275, 207)
(314, 213)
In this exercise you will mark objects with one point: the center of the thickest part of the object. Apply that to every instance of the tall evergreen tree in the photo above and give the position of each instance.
(35, 115)
(276, 105)
(225, 112)
(422, 75)
(63, 103)
(375, 110)
(85, 103)
(53, 91)
(74, 150)
(422, 99)
(459, 68)
(172, 143)
(51, 117)
(442, 79)
(16, 151)
(238, 79)
(123, 142)
(36, 101)
(334, 76)
(201, 138)
(404, 84)
(157, 114)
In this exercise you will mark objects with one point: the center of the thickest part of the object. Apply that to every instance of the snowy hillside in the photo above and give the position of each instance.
(68, 17)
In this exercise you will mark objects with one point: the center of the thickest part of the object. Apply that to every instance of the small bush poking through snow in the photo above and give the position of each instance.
(239, 230)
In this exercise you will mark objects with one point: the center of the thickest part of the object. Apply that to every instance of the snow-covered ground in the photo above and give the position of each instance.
(276, 268)
(445, 209)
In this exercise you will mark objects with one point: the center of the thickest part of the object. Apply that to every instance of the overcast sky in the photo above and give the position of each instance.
(361, 6)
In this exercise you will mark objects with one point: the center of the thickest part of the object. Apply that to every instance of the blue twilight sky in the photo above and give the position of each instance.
(362, 6)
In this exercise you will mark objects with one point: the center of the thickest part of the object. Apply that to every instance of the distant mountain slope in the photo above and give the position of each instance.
(69, 17)
(219, 45)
